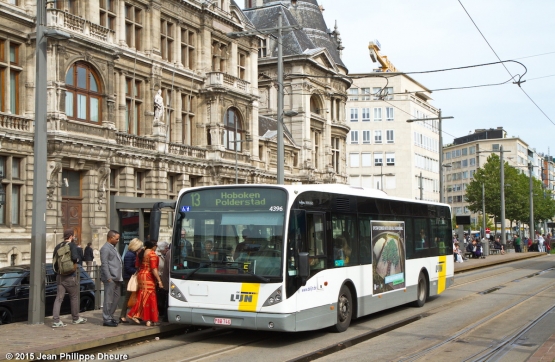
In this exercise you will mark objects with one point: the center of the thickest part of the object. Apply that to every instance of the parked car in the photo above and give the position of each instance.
(14, 293)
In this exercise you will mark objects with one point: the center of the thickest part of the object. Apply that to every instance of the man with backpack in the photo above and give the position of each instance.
(64, 263)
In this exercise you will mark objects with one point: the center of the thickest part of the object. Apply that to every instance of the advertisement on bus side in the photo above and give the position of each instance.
(388, 245)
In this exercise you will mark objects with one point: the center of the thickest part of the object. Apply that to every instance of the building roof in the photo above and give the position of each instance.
(267, 128)
(313, 36)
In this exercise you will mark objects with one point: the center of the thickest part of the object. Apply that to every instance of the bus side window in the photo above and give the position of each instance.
(420, 234)
(365, 240)
(409, 238)
(316, 242)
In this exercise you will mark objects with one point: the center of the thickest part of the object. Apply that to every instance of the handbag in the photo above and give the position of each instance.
(132, 300)
(132, 285)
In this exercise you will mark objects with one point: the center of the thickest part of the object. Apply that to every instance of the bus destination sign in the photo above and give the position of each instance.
(233, 198)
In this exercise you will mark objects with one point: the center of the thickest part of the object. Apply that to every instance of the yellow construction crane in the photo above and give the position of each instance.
(387, 66)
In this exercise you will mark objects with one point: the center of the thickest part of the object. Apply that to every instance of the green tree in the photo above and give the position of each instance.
(517, 193)
(390, 255)
(478, 224)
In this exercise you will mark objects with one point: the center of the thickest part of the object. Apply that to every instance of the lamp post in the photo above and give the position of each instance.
(38, 219)
(381, 174)
(236, 142)
(443, 176)
(280, 28)
(421, 187)
(486, 243)
(280, 146)
(530, 168)
(439, 118)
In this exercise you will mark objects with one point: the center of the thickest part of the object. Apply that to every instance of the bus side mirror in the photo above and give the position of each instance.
(156, 216)
(154, 229)
(304, 268)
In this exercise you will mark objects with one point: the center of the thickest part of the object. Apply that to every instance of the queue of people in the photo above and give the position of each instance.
(146, 305)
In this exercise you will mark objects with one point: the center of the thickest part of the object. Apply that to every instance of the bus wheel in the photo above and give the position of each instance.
(344, 310)
(422, 292)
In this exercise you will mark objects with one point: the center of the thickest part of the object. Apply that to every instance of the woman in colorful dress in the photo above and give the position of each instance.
(146, 308)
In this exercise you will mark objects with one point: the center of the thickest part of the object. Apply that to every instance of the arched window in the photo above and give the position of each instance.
(233, 130)
(314, 105)
(83, 94)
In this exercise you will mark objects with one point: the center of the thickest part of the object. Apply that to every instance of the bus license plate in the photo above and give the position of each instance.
(222, 321)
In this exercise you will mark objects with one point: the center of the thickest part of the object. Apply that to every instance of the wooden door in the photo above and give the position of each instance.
(71, 216)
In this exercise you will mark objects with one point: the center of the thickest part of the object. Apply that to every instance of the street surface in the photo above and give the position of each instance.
(498, 313)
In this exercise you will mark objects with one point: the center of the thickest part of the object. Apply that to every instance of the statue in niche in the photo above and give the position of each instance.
(158, 107)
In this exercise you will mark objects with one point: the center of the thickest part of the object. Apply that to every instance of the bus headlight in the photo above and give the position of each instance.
(274, 298)
(176, 293)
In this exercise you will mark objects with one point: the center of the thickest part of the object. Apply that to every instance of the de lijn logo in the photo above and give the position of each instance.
(244, 297)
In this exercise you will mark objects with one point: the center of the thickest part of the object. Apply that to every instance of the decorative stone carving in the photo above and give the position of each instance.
(264, 98)
(215, 173)
(103, 173)
(53, 170)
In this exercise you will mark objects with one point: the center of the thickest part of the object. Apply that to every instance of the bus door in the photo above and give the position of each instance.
(316, 248)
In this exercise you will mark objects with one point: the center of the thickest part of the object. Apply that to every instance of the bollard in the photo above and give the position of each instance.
(97, 287)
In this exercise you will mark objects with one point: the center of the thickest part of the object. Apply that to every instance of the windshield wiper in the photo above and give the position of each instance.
(197, 269)
(265, 280)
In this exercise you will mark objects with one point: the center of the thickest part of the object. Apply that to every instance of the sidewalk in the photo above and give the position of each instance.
(494, 259)
(25, 339)
(21, 338)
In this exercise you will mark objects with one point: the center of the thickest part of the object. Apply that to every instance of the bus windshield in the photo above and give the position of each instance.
(229, 233)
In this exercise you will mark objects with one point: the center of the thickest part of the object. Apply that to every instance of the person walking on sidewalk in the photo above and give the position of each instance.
(67, 283)
(88, 257)
(516, 243)
(112, 278)
(541, 240)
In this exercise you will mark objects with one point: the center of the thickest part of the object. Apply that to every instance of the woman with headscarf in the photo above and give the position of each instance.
(146, 308)
(129, 268)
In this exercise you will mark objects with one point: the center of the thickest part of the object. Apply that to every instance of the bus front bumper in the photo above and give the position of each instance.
(232, 319)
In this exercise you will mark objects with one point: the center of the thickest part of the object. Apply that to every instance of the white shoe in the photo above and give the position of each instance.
(80, 321)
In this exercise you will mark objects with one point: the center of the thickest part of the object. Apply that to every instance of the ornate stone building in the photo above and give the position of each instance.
(104, 138)
(315, 86)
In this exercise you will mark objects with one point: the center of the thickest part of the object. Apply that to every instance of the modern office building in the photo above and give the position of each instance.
(470, 152)
(384, 151)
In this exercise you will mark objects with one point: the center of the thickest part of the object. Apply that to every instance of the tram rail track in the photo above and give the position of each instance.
(483, 354)
(223, 348)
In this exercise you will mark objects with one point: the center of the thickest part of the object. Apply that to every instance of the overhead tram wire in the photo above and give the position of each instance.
(519, 83)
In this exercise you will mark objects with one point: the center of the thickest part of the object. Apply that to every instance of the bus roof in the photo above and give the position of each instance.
(331, 188)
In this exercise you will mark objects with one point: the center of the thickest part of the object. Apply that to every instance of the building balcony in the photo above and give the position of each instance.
(16, 122)
(130, 140)
(76, 24)
(184, 150)
(223, 80)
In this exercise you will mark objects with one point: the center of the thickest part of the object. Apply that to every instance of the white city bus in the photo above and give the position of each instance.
(302, 257)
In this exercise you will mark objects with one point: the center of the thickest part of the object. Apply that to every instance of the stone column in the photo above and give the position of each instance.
(156, 182)
(179, 121)
(177, 47)
(120, 26)
(127, 181)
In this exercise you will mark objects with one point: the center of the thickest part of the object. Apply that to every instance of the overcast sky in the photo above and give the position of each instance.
(428, 35)
(438, 34)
